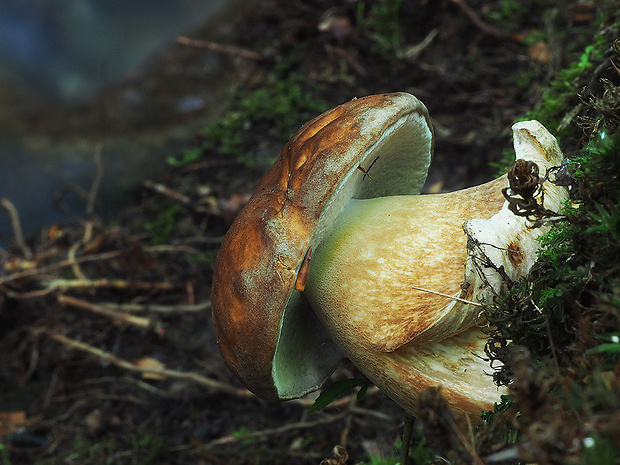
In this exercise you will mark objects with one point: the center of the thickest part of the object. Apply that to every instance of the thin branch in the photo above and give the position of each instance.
(103, 283)
(17, 227)
(90, 211)
(173, 248)
(124, 364)
(219, 48)
(116, 317)
(92, 258)
(265, 433)
(412, 52)
(25, 295)
(369, 412)
(168, 192)
(212, 208)
(59, 265)
(125, 379)
(458, 299)
(154, 308)
(98, 399)
(470, 448)
(72, 257)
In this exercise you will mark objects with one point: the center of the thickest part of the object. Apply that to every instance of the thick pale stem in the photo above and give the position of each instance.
(361, 275)
(361, 280)
(405, 340)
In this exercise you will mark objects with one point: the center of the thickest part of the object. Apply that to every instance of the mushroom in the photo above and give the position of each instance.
(330, 255)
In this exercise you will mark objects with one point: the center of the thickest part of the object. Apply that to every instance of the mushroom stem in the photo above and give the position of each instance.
(466, 244)
(405, 340)
(364, 269)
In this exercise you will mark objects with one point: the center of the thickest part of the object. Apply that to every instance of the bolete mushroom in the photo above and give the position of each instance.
(330, 253)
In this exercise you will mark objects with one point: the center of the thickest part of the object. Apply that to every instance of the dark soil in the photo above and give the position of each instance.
(69, 364)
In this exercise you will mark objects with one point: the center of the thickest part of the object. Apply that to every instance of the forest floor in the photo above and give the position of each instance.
(107, 353)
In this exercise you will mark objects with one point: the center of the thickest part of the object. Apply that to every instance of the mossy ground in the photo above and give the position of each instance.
(557, 331)
(477, 74)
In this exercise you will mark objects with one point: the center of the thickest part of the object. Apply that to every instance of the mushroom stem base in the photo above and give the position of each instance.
(456, 364)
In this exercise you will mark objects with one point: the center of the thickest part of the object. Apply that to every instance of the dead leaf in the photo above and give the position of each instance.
(94, 421)
(150, 363)
(11, 421)
(539, 52)
(341, 456)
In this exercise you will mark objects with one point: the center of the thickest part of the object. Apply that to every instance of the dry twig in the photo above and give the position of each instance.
(167, 373)
(59, 265)
(412, 52)
(265, 433)
(17, 227)
(484, 27)
(155, 308)
(219, 48)
(103, 283)
(73, 252)
(91, 258)
(168, 192)
(116, 317)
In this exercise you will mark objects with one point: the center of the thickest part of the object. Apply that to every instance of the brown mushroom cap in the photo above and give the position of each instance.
(267, 333)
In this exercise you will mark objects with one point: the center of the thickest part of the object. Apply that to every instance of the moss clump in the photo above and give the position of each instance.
(379, 20)
(161, 227)
(556, 331)
(280, 105)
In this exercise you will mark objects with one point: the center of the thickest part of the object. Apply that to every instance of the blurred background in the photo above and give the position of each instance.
(72, 69)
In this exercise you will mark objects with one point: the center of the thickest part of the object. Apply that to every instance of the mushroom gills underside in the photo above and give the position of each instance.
(395, 164)
(305, 354)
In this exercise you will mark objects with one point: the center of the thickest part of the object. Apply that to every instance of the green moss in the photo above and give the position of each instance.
(380, 21)
(562, 94)
(280, 105)
(505, 433)
(162, 226)
(153, 446)
(4, 455)
(245, 435)
(588, 58)
(554, 330)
